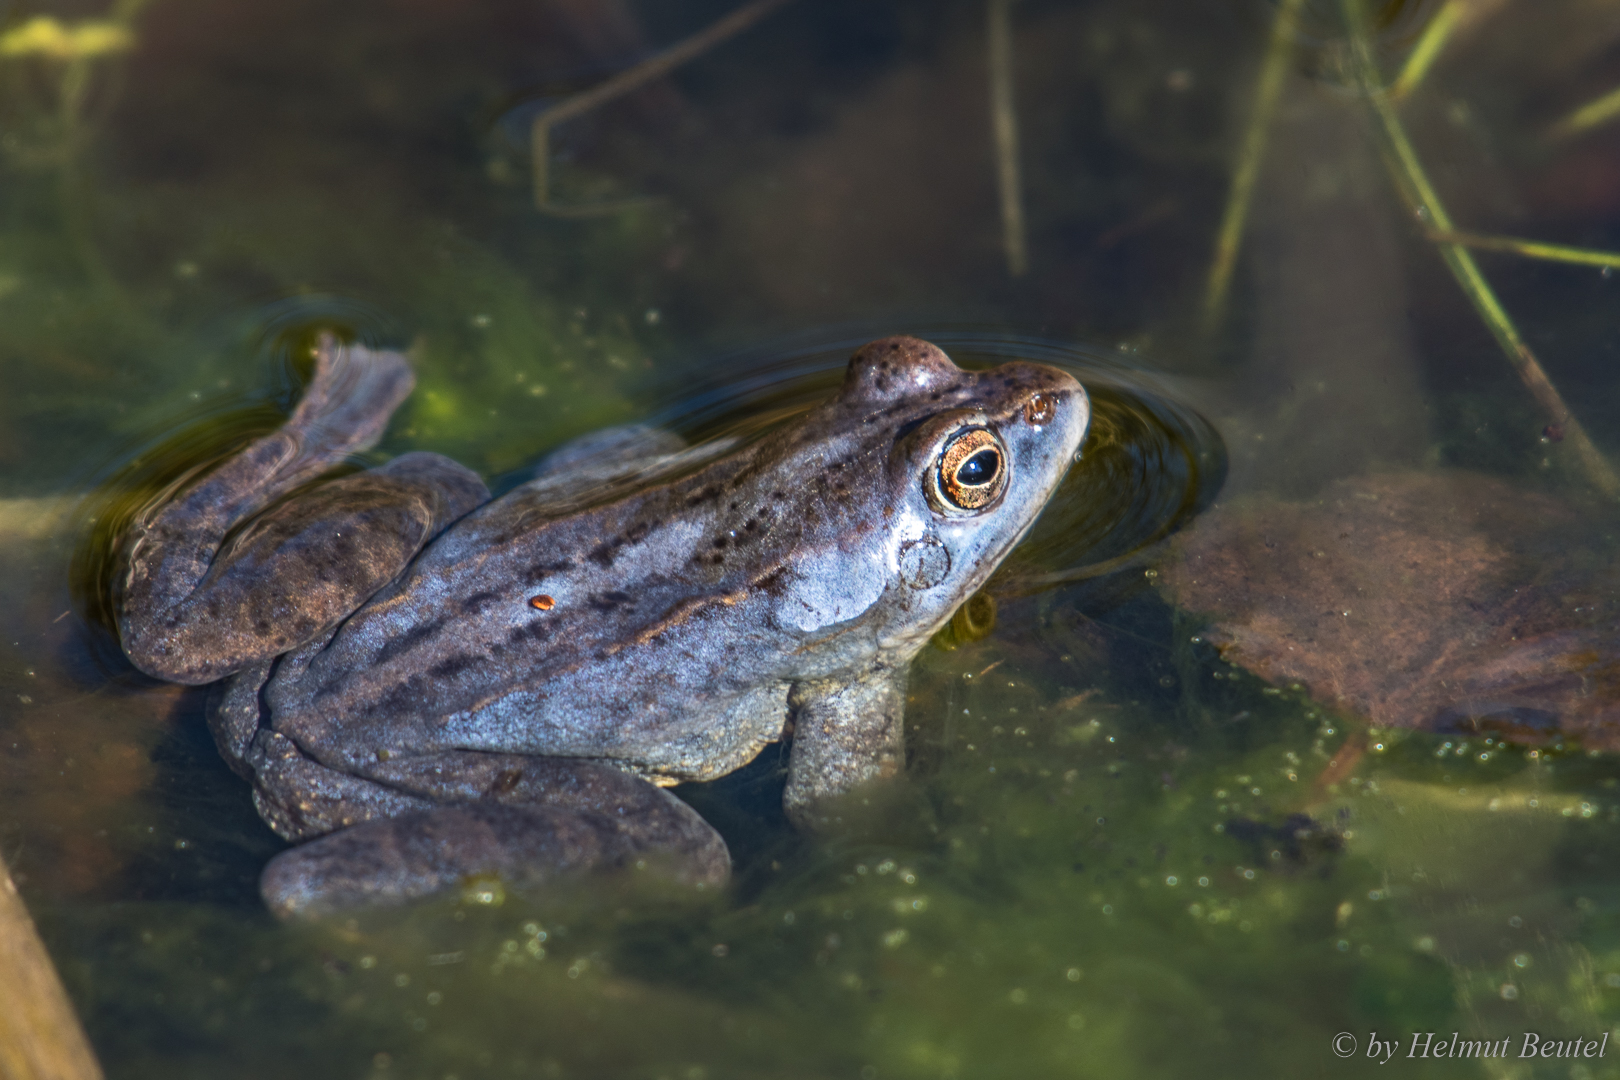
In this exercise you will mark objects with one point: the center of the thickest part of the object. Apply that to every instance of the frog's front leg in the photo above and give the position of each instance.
(194, 608)
(845, 734)
(525, 820)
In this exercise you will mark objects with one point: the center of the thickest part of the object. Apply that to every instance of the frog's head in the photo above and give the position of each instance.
(972, 460)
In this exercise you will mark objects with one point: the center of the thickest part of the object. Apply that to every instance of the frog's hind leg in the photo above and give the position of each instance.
(198, 603)
(527, 821)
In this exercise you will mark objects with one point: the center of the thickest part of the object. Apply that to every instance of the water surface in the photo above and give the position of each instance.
(1117, 853)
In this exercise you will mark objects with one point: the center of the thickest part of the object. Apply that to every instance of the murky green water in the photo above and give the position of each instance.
(1116, 853)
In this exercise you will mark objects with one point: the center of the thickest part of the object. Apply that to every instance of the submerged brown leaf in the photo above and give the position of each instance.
(1447, 601)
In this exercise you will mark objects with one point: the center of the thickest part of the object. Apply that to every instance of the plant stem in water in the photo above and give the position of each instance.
(616, 87)
(1530, 249)
(1004, 119)
(1230, 237)
(1424, 202)
(1428, 48)
(1592, 114)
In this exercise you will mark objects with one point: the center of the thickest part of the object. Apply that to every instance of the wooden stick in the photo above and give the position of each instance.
(616, 87)
(1004, 122)
(40, 1037)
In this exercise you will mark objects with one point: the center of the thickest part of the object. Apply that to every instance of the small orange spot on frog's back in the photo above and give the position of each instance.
(542, 602)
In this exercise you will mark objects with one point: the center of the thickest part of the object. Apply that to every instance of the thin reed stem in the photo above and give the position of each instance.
(1230, 237)
(1004, 120)
(1530, 249)
(1428, 48)
(1424, 202)
(619, 85)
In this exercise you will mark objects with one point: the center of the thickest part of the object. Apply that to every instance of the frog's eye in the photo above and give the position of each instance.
(972, 472)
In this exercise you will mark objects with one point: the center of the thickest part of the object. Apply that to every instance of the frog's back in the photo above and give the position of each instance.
(647, 630)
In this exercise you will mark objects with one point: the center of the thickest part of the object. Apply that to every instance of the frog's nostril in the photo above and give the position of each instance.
(1040, 409)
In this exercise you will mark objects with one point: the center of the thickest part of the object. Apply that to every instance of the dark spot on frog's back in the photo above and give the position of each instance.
(535, 630)
(407, 641)
(773, 584)
(706, 493)
(475, 603)
(400, 700)
(607, 601)
(455, 665)
(604, 553)
(544, 569)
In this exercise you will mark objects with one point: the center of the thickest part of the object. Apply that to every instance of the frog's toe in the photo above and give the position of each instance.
(351, 396)
(395, 860)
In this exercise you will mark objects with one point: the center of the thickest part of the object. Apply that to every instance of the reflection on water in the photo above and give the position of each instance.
(1100, 842)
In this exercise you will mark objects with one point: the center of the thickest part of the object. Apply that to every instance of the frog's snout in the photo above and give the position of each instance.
(1056, 403)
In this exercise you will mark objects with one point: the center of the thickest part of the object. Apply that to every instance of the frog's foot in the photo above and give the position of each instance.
(569, 830)
(350, 397)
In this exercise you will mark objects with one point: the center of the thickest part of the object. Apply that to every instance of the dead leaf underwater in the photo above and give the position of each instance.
(1451, 602)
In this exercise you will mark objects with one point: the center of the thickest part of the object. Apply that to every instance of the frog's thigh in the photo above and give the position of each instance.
(234, 714)
(535, 819)
(301, 799)
(304, 565)
(844, 735)
(344, 410)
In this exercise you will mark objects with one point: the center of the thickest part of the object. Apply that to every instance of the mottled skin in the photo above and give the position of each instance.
(398, 685)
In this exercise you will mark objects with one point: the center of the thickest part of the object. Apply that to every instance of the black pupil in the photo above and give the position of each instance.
(979, 469)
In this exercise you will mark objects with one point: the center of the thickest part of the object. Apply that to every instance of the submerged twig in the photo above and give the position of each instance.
(1004, 120)
(1530, 249)
(1592, 114)
(1230, 237)
(619, 85)
(1424, 202)
(1428, 48)
(40, 1037)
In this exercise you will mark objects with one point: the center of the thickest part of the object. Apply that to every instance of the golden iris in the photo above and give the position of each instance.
(972, 470)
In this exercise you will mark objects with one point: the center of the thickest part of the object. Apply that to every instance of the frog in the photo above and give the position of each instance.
(426, 686)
